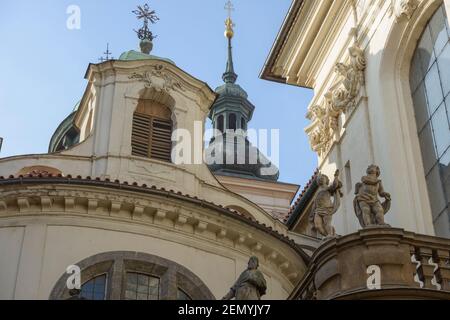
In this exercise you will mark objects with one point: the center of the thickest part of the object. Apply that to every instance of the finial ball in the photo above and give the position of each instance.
(146, 46)
(229, 32)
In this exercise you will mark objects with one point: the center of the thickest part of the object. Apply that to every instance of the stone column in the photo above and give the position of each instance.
(117, 280)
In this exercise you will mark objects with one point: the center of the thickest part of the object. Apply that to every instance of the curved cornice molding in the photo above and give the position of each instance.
(150, 71)
(157, 207)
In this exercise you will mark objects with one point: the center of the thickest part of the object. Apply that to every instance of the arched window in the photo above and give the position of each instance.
(94, 289)
(125, 275)
(232, 121)
(152, 131)
(430, 85)
(220, 123)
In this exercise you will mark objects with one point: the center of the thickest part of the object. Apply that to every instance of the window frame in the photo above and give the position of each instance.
(93, 279)
(149, 118)
(137, 273)
(116, 264)
(431, 130)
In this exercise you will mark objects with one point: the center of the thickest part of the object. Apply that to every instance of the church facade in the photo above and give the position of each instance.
(124, 205)
(379, 70)
(111, 201)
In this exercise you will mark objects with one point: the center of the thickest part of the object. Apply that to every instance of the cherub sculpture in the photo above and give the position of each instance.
(368, 208)
(250, 285)
(323, 207)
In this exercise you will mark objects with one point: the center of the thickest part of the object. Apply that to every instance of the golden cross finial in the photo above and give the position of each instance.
(229, 33)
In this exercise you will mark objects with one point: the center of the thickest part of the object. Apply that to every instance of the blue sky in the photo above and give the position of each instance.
(42, 64)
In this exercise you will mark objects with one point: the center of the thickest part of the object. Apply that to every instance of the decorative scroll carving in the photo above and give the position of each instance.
(403, 8)
(36, 171)
(319, 131)
(158, 77)
(340, 99)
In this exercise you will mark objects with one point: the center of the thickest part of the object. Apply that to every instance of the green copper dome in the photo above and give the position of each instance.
(231, 89)
(66, 135)
(133, 55)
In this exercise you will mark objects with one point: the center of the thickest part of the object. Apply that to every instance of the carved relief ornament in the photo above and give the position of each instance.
(159, 78)
(341, 98)
(403, 9)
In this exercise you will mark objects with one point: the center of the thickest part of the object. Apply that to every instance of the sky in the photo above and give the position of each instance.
(43, 63)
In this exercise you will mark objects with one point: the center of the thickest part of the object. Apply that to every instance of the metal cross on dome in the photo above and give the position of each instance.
(229, 7)
(107, 54)
(147, 15)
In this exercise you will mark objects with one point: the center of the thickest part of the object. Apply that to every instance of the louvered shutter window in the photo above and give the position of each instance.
(141, 135)
(152, 132)
(161, 144)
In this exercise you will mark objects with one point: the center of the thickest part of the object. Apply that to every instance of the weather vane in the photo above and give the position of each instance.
(144, 13)
(107, 54)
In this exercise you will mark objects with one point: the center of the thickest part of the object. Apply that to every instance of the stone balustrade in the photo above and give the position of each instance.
(378, 263)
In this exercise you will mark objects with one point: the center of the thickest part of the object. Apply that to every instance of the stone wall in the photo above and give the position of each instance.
(384, 263)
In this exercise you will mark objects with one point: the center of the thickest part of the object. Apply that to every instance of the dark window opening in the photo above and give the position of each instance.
(232, 121)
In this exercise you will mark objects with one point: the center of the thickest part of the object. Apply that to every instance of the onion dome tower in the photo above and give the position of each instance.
(230, 116)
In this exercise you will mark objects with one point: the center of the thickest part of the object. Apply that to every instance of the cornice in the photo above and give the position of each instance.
(282, 36)
(157, 206)
(173, 78)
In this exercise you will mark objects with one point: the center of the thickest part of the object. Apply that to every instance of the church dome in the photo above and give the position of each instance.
(66, 134)
(132, 55)
(231, 89)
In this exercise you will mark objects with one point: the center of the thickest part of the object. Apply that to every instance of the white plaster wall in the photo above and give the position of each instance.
(106, 152)
(11, 239)
(34, 257)
(382, 129)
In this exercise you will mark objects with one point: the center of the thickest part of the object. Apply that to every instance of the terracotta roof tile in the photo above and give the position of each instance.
(301, 195)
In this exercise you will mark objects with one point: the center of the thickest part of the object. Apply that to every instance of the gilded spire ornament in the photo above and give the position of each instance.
(144, 34)
(229, 76)
(229, 33)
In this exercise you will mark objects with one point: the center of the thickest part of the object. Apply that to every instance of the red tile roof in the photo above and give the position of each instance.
(301, 196)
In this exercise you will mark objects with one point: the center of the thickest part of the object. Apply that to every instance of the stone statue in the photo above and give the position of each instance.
(368, 208)
(323, 208)
(250, 285)
(75, 294)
